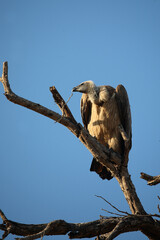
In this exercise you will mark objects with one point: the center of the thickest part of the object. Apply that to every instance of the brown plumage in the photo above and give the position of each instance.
(103, 109)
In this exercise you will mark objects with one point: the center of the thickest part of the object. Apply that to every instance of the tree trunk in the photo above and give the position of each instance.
(129, 191)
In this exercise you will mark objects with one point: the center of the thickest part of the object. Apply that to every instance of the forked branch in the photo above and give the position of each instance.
(103, 154)
(62, 104)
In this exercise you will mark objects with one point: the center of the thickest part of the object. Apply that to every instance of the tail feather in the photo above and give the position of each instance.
(100, 170)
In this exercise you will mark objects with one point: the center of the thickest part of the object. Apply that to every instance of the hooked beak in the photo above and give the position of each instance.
(74, 89)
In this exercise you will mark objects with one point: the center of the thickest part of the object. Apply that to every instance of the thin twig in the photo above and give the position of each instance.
(69, 98)
(121, 215)
(126, 213)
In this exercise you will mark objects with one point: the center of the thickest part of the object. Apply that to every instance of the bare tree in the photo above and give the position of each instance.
(103, 228)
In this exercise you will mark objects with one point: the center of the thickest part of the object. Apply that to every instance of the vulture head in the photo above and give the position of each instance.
(85, 87)
(90, 89)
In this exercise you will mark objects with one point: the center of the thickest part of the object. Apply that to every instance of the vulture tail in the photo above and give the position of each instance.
(100, 170)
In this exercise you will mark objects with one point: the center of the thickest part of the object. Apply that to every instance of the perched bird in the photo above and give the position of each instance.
(103, 110)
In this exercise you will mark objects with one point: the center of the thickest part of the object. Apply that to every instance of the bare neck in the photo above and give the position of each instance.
(94, 94)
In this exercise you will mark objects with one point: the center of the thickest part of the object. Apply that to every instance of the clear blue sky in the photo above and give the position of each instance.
(44, 168)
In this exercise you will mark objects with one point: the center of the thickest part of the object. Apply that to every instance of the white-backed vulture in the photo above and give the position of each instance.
(103, 110)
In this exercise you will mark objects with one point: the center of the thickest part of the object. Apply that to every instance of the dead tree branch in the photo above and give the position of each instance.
(151, 180)
(112, 227)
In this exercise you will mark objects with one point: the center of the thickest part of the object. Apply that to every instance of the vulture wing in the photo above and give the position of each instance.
(86, 107)
(124, 111)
